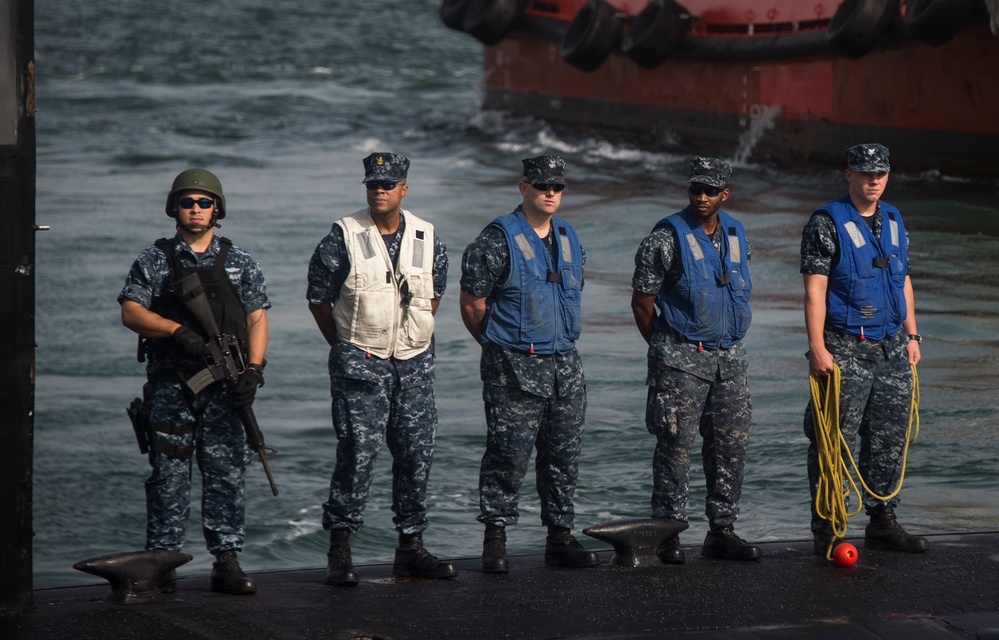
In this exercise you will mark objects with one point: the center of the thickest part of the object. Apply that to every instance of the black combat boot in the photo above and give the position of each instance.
(494, 550)
(168, 582)
(669, 551)
(339, 566)
(413, 561)
(884, 533)
(562, 550)
(722, 543)
(821, 542)
(228, 577)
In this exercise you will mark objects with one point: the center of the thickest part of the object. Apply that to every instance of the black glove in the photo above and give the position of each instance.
(245, 389)
(190, 341)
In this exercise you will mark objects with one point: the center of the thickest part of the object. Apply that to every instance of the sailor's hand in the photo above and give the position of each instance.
(190, 341)
(820, 362)
(245, 389)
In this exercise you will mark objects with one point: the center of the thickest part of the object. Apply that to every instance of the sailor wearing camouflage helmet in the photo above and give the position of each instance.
(521, 286)
(205, 424)
(374, 284)
(869, 332)
(691, 304)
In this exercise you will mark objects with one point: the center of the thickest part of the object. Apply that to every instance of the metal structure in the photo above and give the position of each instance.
(17, 301)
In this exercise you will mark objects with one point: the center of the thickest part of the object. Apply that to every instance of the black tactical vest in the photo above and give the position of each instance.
(222, 297)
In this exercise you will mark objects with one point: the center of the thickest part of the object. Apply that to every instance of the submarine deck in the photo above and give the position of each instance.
(952, 591)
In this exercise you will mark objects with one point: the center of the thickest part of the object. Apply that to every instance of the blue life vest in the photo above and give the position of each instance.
(866, 288)
(710, 303)
(538, 308)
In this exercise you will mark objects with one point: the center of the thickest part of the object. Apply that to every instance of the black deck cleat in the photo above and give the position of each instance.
(637, 542)
(136, 577)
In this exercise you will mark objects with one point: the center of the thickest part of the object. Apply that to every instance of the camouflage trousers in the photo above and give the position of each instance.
(367, 414)
(721, 411)
(207, 429)
(516, 423)
(874, 406)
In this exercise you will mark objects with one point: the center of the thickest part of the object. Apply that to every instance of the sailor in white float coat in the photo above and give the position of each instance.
(374, 284)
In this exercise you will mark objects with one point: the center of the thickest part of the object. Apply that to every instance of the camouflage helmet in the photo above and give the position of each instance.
(196, 180)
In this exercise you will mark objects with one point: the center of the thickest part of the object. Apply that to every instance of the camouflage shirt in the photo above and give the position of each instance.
(329, 268)
(658, 267)
(484, 265)
(149, 277)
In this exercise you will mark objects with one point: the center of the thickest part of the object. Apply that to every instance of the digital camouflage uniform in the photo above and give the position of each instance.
(692, 391)
(375, 401)
(876, 384)
(531, 401)
(205, 426)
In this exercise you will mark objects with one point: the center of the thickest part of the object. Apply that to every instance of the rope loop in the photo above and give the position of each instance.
(836, 483)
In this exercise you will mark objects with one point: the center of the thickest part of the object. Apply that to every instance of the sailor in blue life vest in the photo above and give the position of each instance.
(860, 315)
(521, 284)
(693, 269)
(179, 423)
(374, 284)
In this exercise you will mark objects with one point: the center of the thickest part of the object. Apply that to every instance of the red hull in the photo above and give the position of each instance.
(936, 107)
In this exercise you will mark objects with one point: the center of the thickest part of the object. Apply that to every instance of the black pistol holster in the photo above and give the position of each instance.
(138, 413)
(146, 430)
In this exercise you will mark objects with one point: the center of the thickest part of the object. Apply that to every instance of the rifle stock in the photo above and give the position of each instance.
(225, 363)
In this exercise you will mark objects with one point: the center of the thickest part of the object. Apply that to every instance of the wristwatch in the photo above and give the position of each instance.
(916, 337)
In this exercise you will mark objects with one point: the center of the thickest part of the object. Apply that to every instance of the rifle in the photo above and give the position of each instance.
(225, 363)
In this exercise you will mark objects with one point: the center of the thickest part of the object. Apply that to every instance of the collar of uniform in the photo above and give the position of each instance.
(180, 246)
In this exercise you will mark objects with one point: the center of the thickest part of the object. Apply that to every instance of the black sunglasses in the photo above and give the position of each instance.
(698, 189)
(557, 188)
(384, 186)
(188, 203)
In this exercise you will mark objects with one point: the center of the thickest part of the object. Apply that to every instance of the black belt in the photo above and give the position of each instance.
(844, 334)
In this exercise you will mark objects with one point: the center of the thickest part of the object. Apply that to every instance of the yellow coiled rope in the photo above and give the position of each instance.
(831, 496)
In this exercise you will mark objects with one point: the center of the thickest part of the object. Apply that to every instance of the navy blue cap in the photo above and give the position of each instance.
(710, 171)
(868, 158)
(544, 170)
(385, 167)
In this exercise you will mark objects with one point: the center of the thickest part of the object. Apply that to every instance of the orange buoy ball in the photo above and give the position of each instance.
(845, 555)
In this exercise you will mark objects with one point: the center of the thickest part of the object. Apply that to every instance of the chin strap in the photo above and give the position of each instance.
(213, 223)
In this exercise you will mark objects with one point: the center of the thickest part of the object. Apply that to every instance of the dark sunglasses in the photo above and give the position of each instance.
(699, 189)
(557, 188)
(188, 203)
(384, 186)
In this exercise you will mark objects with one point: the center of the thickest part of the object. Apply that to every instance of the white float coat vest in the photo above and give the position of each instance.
(371, 312)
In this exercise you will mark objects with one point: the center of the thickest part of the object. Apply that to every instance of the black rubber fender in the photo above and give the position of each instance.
(452, 13)
(935, 22)
(594, 32)
(858, 24)
(655, 33)
(489, 21)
